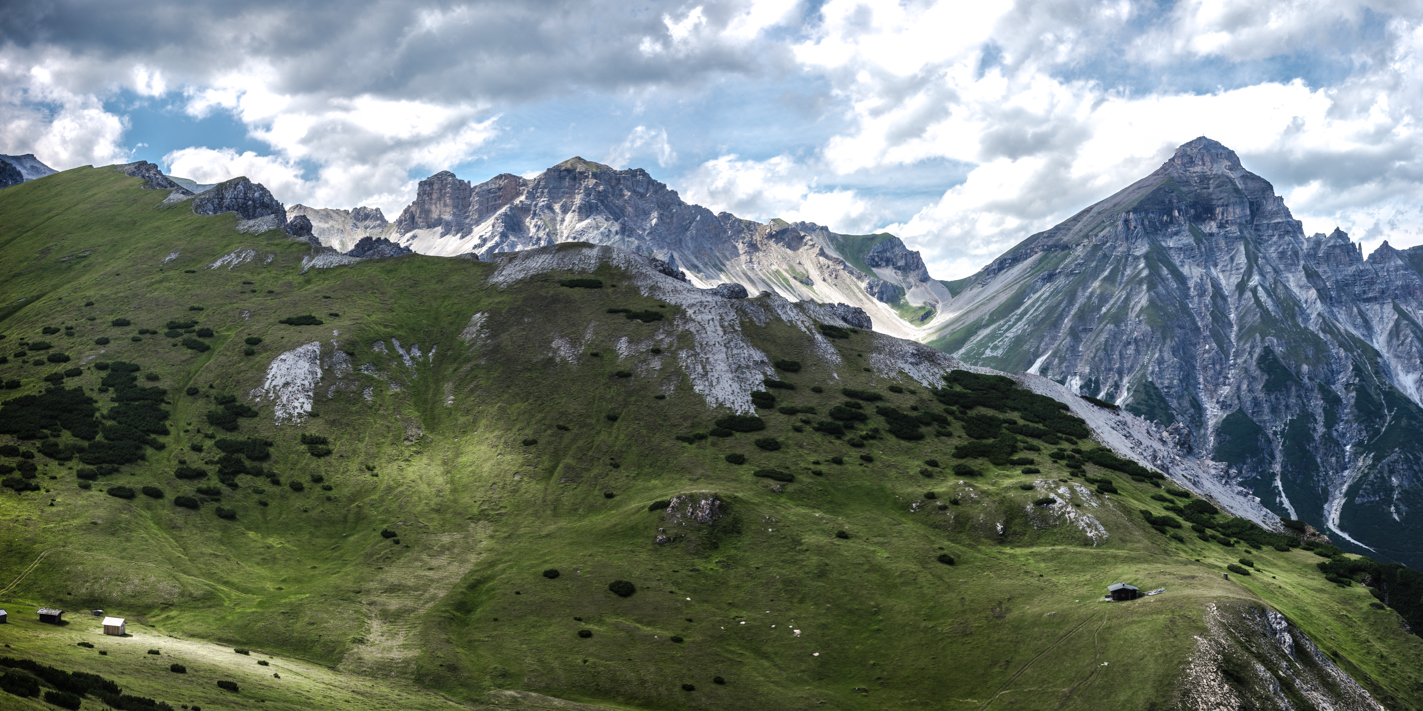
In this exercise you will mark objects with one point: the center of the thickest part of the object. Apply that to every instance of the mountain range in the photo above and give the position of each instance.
(575, 476)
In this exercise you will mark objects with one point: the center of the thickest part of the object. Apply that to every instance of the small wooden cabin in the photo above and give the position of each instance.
(1122, 591)
(115, 626)
(51, 615)
(4, 617)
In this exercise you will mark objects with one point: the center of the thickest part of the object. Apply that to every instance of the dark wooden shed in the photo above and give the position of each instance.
(51, 615)
(1122, 591)
(4, 617)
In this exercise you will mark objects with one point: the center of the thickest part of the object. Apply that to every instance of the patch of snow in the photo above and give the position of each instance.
(171, 256)
(236, 257)
(291, 383)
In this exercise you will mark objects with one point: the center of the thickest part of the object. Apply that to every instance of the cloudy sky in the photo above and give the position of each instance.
(962, 127)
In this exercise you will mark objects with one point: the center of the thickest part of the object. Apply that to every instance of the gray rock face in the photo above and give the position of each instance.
(852, 315)
(248, 199)
(300, 227)
(579, 200)
(341, 230)
(376, 248)
(153, 178)
(1194, 299)
(30, 167)
(730, 291)
(883, 291)
(9, 175)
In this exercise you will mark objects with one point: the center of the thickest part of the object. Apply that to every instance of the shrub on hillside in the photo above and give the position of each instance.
(866, 395)
(153, 492)
(581, 283)
(965, 470)
(177, 669)
(867, 458)
(774, 475)
(644, 316)
(790, 366)
(741, 423)
(186, 502)
(762, 399)
(227, 685)
(945, 558)
(194, 344)
(226, 513)
(843, 535)
(1247, 562)
(1237, 569)
(833, 331)
(770, 444)
(57, 358)
(622, 588)
(736, 458)
(774, 384)
(120, 322)
(122, 492)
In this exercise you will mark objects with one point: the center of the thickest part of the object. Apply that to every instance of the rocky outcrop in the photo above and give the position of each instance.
(377, 248)
(153, 178)
(9, 175)
(248, 199)
(853, 315)
(883, 291)
(1194, 299)
(299, 226)
(730, 291)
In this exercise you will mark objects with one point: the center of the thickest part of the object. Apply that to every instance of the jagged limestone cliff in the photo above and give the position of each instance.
(1194, 298)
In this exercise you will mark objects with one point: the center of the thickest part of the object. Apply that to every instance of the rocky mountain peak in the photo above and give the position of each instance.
(587, 166)
(9, 175)
(153, 178)
(368, 215)
(248, 199)
(1204, 155)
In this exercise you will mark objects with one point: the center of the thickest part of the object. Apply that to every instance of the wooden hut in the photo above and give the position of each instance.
(1122, 591)
(4, 617)
(51, 615)
(115, 626)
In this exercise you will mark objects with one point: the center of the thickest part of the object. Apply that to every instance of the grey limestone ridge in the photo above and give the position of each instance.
(1193, 298)
(153, 178)
(341, 229)
(9, 174)
(248, 199)
(730, 291)
(579, 200)
(299, 226)
(853, 315)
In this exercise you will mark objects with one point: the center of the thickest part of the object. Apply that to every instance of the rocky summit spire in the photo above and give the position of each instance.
(1204, 155)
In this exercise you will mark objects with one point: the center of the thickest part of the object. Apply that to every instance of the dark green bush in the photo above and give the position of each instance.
(1237, 569)
(833, 331)
(296, 485)
(177, 669)
(227, 685)
(225, 513)
(321, 450)
(965, 470)
(644, 316)
(585, 634)
(659, 505)
(817, 389)
(581, 283)
(1247, 562)
(736, 458)
(57, 358)
(530, 442)
(304, 320)
(550, 573)
(867, 458)
(778, 384)
(689, 687)
(387, 533)
(843, 535)
(945, 558)
(120, 322)
(186, 502)
(721, 432)
(622, 588)
(677, 639)
(623, 374)
(837, 460)
(774, 475)
(194, 344)
(1044, 501)
(1026, 487)
(205, 333)
(770, 444)
(790, 366)
(741, 423)
(252, 340)
(122, 492)
(1179, 493)
(187, 472)
(866, 395)
(153, 492)
(763, 399)
(930, 495)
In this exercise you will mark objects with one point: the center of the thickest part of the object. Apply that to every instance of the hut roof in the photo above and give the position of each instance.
(50, 611)
(1121, 586)
(113, 621)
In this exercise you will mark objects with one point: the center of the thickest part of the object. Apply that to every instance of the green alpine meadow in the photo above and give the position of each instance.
(564, 478)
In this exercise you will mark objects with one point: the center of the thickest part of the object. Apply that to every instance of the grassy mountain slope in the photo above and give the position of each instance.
(528, 435)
